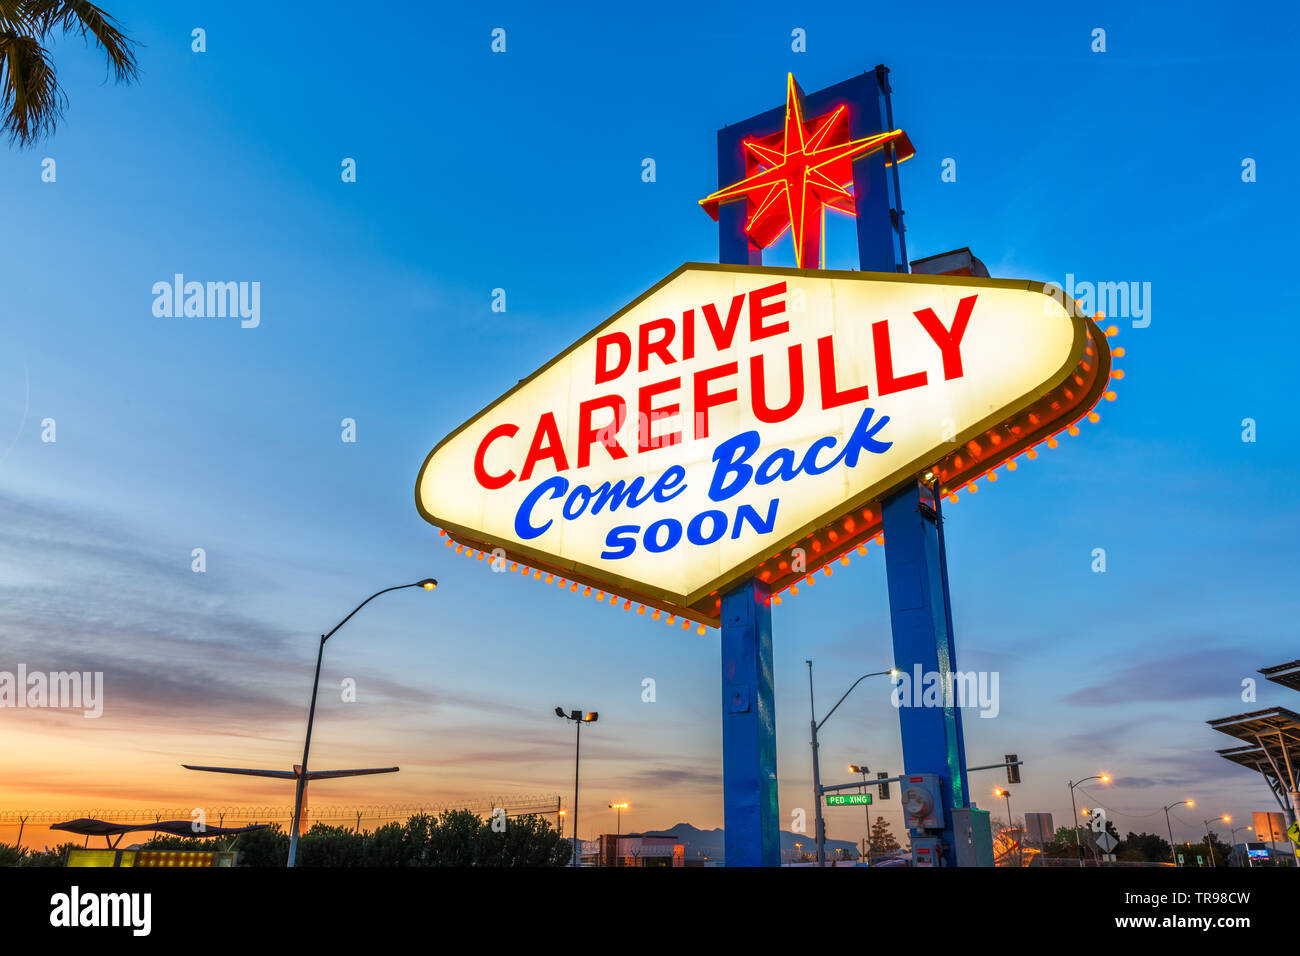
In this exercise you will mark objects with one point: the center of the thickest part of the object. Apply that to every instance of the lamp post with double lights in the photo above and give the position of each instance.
(427, 584)
(618, 827)
(578, 717)
(1104, 778)
(1173, 849)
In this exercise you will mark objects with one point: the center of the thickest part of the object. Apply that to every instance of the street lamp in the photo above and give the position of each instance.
(1077, 842)
(1249, 862)
(428, 584)
(1005, 793)
(866, 842)
(618, 829)
(1209, 842)
(817, 774)
(579, 718)
(1173, 850)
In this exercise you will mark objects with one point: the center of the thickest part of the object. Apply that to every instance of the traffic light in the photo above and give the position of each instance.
(884, 787)
(1013, 773)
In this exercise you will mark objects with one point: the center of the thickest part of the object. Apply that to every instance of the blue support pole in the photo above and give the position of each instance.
(915, 560)
(877, 198)
(921, 619)
(734, 246)
(751, 817)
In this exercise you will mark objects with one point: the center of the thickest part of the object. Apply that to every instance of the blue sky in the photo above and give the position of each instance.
(522, 171)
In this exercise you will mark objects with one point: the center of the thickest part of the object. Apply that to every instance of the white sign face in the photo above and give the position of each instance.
(731, 410)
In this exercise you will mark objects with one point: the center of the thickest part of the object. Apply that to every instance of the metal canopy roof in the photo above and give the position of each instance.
(1288, 675)
(1271, 738)
(1249, 726)
(1251, 756)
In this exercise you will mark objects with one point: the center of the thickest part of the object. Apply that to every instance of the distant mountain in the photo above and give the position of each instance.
(710, 843)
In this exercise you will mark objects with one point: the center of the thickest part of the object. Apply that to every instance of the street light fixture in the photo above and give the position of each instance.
(1006, 794)
(428, 584)
(1173, 849)
(1104, 778)
(579, 718)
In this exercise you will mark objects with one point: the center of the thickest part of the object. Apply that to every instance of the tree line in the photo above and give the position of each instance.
(453, 838)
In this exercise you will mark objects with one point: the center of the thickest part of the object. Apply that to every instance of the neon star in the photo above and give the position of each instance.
(794, 174)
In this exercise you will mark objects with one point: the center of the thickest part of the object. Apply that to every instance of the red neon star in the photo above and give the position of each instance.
(794, 175)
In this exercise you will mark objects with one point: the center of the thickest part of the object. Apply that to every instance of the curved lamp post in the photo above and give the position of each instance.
(1173, 850)
(1209, 841)
(817, 774)
(1077, 842)
(428, 584)
(1246, 845)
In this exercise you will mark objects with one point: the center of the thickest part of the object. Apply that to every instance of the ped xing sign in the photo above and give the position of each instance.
(747, 420)
(848, 799)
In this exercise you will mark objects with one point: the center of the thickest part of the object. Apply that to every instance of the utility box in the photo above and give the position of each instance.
(972, 837)
(922, 801)
(927, 851)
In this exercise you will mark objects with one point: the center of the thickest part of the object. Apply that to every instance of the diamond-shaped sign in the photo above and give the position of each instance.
(745, 420)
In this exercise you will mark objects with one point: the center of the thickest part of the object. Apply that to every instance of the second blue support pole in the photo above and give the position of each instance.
(750, 814)
(921, 619)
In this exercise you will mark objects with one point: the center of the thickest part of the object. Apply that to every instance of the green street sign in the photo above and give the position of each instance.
(848, 799)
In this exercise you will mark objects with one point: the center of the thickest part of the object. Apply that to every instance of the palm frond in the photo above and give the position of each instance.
(30, 97)
(80, 16)
(13, 17)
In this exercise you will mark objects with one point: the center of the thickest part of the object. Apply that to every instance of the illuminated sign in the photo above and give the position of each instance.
(743, 420)
(848, 799)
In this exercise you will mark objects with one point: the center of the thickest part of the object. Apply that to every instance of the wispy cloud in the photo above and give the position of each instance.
(1193, 673)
